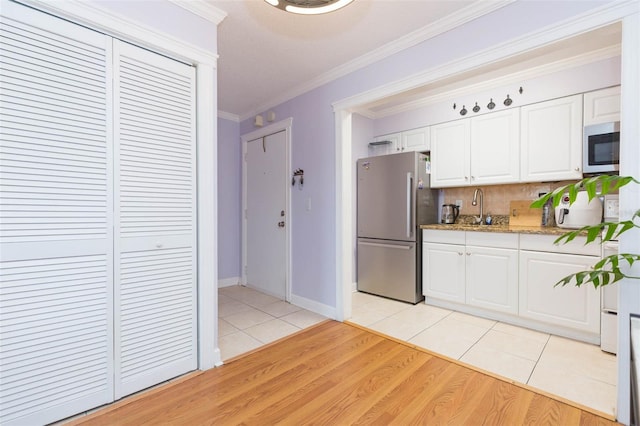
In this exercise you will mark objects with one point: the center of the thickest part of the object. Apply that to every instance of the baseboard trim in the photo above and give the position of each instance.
(228, 282)
(313, 306)
(217, 357)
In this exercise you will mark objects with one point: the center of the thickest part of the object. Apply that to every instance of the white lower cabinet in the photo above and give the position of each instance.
(492, 278)
(577, 308)
(511, 277)
(443, 271)
(475, 268)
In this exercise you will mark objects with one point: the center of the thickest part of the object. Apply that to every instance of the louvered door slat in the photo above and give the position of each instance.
(159, 146)
(56, 260)
(155, 219)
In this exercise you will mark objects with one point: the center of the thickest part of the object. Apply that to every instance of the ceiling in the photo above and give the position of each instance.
(268, 56)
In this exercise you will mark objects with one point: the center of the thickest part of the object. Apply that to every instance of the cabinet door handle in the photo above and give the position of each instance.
(460, 253)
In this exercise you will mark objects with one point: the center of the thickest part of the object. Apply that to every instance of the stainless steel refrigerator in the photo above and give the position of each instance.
(394, 199)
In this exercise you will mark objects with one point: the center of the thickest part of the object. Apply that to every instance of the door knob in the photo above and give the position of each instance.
(281, 224)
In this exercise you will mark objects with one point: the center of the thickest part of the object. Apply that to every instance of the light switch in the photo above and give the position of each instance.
(308, 204)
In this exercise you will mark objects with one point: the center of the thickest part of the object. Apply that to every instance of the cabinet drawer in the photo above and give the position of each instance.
(545, 243)
(492, 239)
(444, 237)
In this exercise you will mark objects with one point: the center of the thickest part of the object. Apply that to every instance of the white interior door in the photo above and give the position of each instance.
(56, 251)
(266, 215)
(155, 219)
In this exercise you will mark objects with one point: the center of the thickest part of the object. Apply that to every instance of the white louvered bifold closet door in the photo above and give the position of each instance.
(155, 244)
(56, 230)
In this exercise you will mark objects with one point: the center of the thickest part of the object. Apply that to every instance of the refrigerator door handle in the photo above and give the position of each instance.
(409, 206)
(393, 246)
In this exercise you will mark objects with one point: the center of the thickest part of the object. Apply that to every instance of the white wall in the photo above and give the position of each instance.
(580, 79)
(629, 290)
(361, 135)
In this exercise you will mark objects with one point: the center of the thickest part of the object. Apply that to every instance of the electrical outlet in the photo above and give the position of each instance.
(611, 207)
(459, 203)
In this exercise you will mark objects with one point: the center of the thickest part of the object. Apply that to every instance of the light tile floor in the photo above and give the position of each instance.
(577, 371)
(248, 319)
(573, 370)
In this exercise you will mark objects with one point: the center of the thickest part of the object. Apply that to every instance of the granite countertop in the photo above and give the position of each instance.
(500, 224)
(542, 230)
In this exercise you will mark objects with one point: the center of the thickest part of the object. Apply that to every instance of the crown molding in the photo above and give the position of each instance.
(203, 9)
(600, 16)
(516, 77)
(228, 116)
(128, 29)
(469, 13)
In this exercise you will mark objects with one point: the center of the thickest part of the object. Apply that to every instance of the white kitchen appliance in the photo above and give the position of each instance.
(581, 213)
(601, 148)
(609, 300)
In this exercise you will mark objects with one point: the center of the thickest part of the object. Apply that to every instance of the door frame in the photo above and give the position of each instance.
(628, 13)
(284, 125)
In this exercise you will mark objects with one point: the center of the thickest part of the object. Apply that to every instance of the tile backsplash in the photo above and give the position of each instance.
(498, 197)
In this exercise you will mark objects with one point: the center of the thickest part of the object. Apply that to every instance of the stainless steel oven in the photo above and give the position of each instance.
(601, 148)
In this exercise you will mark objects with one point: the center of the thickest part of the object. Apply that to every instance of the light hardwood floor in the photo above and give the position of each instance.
(340, 374)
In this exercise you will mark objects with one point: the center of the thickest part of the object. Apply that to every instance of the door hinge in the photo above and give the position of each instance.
(245, 156)
(246, 215)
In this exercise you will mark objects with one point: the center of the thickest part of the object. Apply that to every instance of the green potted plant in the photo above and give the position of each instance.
(608, 270)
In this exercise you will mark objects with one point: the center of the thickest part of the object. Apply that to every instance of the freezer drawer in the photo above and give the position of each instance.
(390, 269)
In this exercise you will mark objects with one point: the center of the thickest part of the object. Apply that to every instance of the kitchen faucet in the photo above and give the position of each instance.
(474, 202)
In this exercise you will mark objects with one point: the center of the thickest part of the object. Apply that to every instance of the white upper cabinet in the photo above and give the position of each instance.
(495, 148)
(602, 106)
(476, 151)
(385, 144)
(551, 140)
(416, 140)
(410, 140)
(450, 157)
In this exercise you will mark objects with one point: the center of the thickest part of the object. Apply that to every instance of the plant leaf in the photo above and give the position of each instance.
(607, 184)
(604, 272)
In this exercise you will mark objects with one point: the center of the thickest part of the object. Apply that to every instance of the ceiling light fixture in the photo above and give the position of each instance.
(309, 7)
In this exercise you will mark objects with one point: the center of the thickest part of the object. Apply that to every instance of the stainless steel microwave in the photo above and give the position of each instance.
(601, 148)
